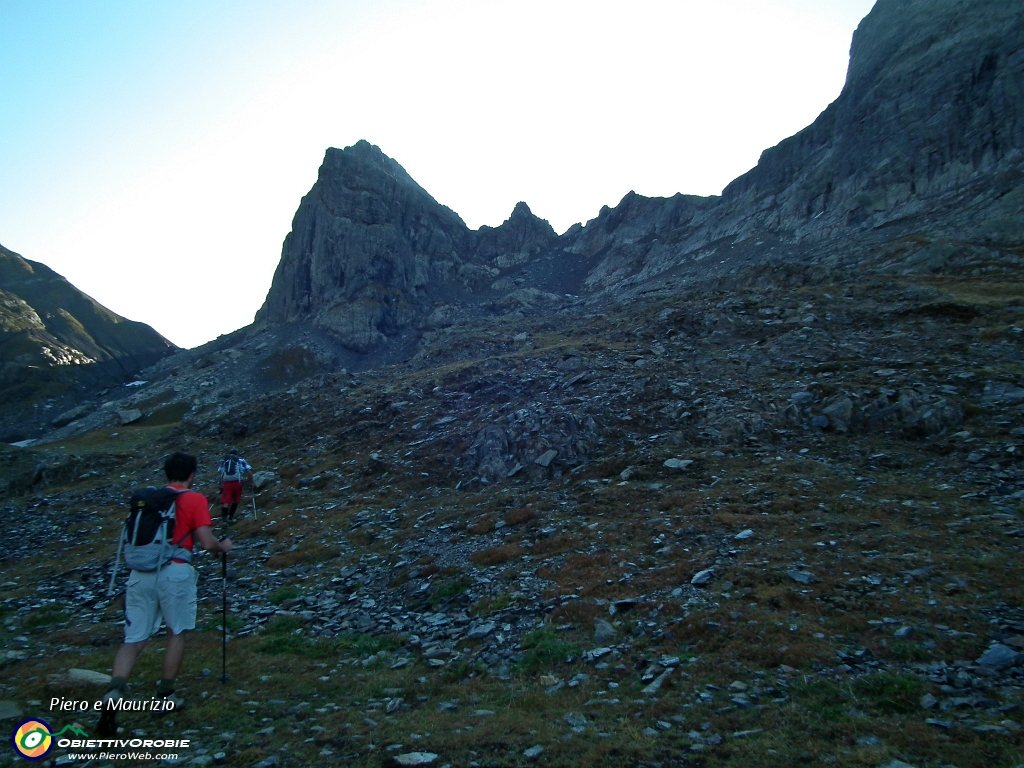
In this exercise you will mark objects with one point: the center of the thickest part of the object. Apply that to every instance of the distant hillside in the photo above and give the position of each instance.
(54, 339)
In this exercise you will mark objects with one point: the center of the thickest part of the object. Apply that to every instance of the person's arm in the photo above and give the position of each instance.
(204, 535)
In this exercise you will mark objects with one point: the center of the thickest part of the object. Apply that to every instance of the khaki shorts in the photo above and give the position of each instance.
(165, 596)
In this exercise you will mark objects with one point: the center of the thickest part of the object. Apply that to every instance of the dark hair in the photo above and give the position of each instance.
(179, 466)
(234, 451)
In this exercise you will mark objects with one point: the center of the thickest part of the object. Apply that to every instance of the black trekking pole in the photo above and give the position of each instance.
(224, 618)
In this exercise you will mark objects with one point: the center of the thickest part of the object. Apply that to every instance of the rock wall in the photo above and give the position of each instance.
(933, 100)
(925, 140)
(371, 253)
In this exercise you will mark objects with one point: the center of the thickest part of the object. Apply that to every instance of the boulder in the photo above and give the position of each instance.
(410, 759)
(128, 415)
(545, 459)
(603, 632)
(263, 478)
(999, 656)
(702, 577)
(678, 463)
(79, 677)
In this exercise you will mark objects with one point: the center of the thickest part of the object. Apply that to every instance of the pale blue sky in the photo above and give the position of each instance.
(147, 143)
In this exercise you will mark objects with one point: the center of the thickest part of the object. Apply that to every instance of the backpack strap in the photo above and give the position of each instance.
(172, 513)
(177, 544)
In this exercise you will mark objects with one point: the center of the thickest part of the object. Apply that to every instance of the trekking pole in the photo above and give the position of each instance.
(224, 619)
(117, 565)
(254, 517)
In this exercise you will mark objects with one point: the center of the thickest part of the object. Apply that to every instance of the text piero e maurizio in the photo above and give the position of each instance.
(60, 704)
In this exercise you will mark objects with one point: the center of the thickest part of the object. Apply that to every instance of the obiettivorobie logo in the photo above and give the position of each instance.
(33, 739)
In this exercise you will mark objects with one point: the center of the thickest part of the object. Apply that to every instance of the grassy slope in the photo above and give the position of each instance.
(892, 505)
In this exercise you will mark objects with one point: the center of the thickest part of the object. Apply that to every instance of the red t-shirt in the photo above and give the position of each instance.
(191, 512)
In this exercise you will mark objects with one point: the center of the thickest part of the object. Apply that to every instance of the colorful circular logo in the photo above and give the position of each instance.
(32, 739)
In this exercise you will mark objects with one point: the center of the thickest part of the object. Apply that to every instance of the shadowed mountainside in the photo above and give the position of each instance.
(54, 339)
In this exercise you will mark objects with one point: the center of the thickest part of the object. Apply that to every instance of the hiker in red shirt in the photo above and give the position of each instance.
(165, 595)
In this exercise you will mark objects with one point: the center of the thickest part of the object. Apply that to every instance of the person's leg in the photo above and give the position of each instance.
(178, 604)
(124, 661)
(172, 662)
(225, 500)
(173, 655)
(236, 497)
(142, 619)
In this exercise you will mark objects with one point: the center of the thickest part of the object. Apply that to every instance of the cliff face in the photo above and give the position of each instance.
(365, 243)
(924, 144)
(370, 252)
(933, 100)
(926, 138)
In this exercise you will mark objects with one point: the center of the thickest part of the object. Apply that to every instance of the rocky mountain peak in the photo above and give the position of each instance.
(354, 177)
(371, 253)
(366, 243)
(520, 237)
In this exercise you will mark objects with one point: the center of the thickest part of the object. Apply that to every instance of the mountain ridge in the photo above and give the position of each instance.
(916, 167)
(925, 139)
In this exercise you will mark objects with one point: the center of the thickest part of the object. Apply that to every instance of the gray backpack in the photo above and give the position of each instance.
(147, 538)
(230, 469)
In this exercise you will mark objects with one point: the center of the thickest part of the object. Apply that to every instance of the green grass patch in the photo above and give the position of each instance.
(365, 645)
(489, 604)
(284, 625)
(822, 698)
(446, 590)
(906, 651)
(544, 649)
(889, 693)
(278, 644)
(285, 593)
(461, 670)
(45, 617)
(283, 636)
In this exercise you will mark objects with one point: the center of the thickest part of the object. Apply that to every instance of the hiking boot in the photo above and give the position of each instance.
(174, 699)
(107, 726)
